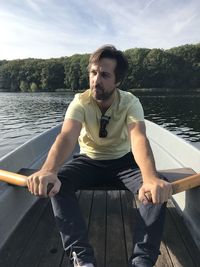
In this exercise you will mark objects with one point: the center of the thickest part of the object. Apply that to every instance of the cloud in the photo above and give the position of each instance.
(53, 28)
(150, 2)
(34, 6)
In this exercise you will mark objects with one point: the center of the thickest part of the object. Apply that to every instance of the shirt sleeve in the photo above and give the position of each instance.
(135, 111)
(75, 110)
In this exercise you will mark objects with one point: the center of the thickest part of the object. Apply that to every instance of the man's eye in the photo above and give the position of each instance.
(93, 72)
(105, 75)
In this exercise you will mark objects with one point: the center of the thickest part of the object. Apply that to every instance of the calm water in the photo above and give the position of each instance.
(24, 115)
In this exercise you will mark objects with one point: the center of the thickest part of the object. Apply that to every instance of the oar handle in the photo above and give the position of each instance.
(17, 179)
(13, 178)
(186, 183)
(181, 185)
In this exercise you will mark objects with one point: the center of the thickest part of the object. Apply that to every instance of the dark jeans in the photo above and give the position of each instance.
(123, 172)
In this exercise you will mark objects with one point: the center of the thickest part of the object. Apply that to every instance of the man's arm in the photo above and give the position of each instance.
(160, 190)
(59, 152)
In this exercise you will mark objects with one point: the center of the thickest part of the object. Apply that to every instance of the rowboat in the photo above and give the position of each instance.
(28, 235)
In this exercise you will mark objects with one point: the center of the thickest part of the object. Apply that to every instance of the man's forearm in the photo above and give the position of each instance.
(144, 158)
(59, 152)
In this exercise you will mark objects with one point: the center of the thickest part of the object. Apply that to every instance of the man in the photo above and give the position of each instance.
(108, 123)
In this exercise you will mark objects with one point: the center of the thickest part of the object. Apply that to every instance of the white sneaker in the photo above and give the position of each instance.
(77, 263)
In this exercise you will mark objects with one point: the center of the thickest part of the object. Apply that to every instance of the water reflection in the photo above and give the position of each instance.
(24, 115)
(177, 113)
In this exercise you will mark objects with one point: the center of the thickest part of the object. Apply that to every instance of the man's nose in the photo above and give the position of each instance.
(97, 78)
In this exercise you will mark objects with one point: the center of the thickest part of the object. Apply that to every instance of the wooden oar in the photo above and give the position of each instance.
(17, 179)
(177, 186)
(13, 178)
(181, 185)
(186, 183)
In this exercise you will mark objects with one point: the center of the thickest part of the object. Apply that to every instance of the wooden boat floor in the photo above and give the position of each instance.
(36, 241)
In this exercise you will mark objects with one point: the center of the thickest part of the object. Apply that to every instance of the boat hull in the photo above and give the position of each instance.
(170, 152)
(16, 201)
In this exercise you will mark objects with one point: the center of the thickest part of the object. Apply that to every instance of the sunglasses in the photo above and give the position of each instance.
(103, 123)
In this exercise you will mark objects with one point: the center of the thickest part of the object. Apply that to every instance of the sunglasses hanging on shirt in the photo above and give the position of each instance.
(103, 123)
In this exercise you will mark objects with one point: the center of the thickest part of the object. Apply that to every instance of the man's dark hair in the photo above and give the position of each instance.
(109, 51)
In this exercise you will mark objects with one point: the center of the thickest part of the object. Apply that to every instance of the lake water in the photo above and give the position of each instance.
(25, 115)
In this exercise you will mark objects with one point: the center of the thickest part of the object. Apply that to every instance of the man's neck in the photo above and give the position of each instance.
(105, 104)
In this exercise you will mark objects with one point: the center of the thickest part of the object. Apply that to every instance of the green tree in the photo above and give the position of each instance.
(84, 80)
(33, 87)
(24, 87)
(178, 67)
(136, 71)
(72, 72)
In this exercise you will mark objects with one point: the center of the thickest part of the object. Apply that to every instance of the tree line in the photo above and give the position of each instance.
(178, 67)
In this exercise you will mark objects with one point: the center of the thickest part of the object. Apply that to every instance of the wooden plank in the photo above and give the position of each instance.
(129, 218)
(85, 201)
(182, 228)
(115, 242)
(53, 254)
(18, 242)
(65, 259)
(39, 240)
(179, 254)
(53, 251)
(97, 226)
(164, 259)
(110, 217)
(185, 237)
(174, 252)
(133, 203)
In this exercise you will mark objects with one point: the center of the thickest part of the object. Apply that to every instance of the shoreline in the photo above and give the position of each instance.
(132, 90)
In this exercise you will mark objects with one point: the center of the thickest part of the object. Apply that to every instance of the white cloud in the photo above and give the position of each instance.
(150, 2)
(34, 5)
(53, 28)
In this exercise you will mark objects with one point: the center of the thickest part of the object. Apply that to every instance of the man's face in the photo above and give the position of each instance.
(102, 79)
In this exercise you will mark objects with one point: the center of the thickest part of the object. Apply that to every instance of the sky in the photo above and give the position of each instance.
(57, 28)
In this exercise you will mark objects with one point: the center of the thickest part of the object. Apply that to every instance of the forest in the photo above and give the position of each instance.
(175, 68)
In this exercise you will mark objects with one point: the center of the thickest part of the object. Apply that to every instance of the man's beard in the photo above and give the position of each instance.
(100, 94)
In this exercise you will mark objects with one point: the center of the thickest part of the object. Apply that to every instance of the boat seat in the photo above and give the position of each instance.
(170, 175)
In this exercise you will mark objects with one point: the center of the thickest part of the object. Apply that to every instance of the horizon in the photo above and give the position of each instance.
(45, 29)
(89, 53)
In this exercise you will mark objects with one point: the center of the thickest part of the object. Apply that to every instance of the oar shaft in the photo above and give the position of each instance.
(177, 186)
(186, 183)
(18, 179)
(13, 178)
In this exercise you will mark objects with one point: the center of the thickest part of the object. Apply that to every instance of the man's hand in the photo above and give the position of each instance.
(155, 190)
(38, 182)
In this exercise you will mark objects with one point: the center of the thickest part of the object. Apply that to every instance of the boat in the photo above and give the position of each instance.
(28, 235)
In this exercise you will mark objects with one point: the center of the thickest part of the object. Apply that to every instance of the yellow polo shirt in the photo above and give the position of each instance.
(125, 109)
